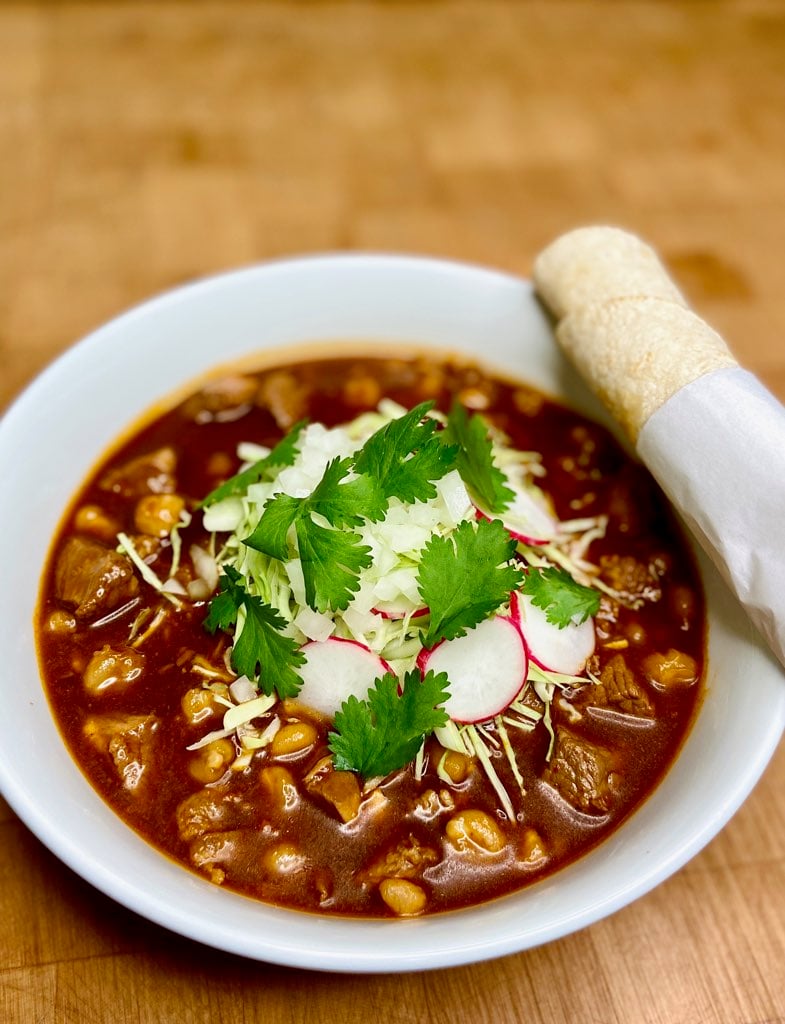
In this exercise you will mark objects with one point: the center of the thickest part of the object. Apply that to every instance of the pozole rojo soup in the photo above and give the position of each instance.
(371, 636)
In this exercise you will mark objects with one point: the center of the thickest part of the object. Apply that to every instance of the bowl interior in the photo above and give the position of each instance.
(56, 431)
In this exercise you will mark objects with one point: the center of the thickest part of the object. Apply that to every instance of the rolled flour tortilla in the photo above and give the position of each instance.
(683, 401)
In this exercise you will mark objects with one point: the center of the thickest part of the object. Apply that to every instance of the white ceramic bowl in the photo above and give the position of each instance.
(52, 436)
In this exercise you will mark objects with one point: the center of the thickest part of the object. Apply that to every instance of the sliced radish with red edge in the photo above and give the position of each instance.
(335, 669)
(565, 650)
(486, 668)
(526, 518)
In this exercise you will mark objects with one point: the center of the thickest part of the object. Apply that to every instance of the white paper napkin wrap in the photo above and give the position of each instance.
(717, 448)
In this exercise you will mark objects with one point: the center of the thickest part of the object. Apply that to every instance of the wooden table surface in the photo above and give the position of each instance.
(144, 144)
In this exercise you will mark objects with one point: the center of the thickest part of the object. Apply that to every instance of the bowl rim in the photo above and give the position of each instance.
(305, 940)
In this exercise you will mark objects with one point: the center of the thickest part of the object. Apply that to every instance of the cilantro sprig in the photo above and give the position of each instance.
(332, 556)
(260, 649)
(401, 460)
(484, 480)
(561, 598)
(382, 733)
(464, 577)
(406, 455)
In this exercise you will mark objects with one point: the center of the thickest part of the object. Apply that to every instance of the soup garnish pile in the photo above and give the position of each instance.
(373, 637)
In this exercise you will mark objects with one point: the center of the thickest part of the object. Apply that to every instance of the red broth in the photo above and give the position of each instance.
(286, 828)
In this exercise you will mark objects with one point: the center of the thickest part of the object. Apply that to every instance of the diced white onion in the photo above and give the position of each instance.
(205, 565)
(242, 689)
(224, 516)
(315, 625)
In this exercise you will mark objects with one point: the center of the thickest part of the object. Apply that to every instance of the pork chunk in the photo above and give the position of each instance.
(214, 810)
(129, 740)
(618, 690)
(92, 578)
(340, 789)
(406, 860)
(581, 772)
(152, 473)
(634, 580)
(285, 396)
(225, 399)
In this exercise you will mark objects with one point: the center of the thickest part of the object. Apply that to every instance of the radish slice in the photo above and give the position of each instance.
(564, 650)
(335, 669)
(486, 668)
(527, 518)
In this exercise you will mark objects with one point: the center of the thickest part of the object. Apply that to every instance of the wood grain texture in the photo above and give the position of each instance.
(145, 144)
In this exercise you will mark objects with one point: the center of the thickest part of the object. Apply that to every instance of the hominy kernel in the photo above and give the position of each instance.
(474, 829)
(92, 519)
(61, 622)
(157, 514)
(532, 849)
(283, 859)
(210, 762)
(456, 766)
(362, 391)
(675, 668)
(403, 897)
(293, 738)
(112, 670)
(198, 704)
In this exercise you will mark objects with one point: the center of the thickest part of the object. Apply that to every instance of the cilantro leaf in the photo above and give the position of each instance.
(331, 556)
(405, 456)
(378, 735)
(560, 597)
(261, 649)
(283, 454)
(484, 480)
(331, 562)
(465, 577)
(270, 535)
(225, 605)
(345, 504)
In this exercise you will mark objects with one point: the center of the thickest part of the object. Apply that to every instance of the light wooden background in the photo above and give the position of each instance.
(145, 144)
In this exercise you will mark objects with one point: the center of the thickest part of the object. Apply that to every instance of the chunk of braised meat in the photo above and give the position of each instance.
(151, 473)
(215, 810)
(227, 398)
(215, 852)
(618, 690)
(92, 578)
(285, 396)
(339, 789)
(275, 867)
(408, 859)
(112, 669)
(129, 740)
(581, 772)
(633, 580)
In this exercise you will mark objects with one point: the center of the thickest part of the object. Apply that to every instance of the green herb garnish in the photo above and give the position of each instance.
(560, 597)
(261, 649)
(333, 555)
(484, 480)
(377, 735)
(464, 577)
(406, 455)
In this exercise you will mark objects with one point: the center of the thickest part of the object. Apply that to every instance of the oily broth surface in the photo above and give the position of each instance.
(332, 865)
